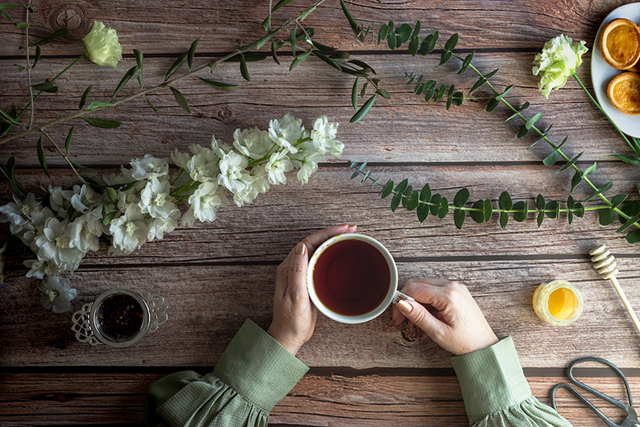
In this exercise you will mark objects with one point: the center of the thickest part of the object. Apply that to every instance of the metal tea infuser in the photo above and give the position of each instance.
(632, 417)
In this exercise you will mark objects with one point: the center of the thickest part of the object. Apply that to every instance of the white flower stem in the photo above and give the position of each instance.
(63, 154)
(605, 114)
(27, 49)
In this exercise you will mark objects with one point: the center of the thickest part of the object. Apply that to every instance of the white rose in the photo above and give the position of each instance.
(102, 46)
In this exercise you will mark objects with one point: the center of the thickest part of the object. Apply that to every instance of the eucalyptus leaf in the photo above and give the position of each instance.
(606, 216)
(461, 197)
(176, 66)
(435, 204)
(387, 189)
(182, 101)
(192, 52)
(466, 63)
(85, 97)
(477, 216)
(62, 32)
(37, 57)
(352, 22)
(99, 104)
(220, 85)
(522, 211)
(102, 123)
(422, 212)
(633, 237)
(42, 158)
(425, 193)
(395, 201)
(504, 201)
(244, 70)
(46, 87)
(364, 109)
(67, 142)
(354, 94)
(153, 107)
(504, 219)
(452, 42)
(458, 218)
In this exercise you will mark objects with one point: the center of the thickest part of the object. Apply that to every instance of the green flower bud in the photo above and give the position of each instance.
(102, 46)
(558, 61)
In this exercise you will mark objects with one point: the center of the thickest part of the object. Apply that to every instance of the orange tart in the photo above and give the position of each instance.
(620, 44)
(624, 93)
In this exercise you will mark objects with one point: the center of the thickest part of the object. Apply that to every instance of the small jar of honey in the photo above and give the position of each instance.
(558, 302)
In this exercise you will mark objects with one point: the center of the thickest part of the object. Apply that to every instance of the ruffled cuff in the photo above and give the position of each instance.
(491, 379)
(258, 367)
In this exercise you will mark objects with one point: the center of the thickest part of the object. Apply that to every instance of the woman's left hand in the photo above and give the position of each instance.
(294, 315)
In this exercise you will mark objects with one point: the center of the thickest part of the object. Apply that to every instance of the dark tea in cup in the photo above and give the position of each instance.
(351, 277)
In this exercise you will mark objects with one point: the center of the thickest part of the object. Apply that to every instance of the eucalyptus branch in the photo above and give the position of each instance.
(64, 155)
(99, 105)
(599, 107)
(425, 202)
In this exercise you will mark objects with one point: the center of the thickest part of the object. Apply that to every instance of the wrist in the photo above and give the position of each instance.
(291, 345)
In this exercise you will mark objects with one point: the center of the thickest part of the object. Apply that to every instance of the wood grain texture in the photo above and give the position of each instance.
(207, 304)
(317, 400)
(172, 26)
(404, 129)
(215, 275)
(267, 229)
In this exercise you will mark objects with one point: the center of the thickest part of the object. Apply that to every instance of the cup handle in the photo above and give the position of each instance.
(399, 296)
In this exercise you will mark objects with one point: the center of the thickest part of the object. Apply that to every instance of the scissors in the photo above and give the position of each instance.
(632, 417)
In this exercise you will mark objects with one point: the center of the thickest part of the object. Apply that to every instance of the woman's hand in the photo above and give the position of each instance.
(454, 320)
(294, 315)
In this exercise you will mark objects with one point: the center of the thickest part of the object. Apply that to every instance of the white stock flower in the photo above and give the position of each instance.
(286, 132)
(204, 203)
(156, 200)
(558, 61)
(253, 143)
(56, 294)
(277, 166)
(233, 174)
(18, 214)
(102, 46)
(54, 245)
(129, 231)
(203, 165)
(60, 200)
(86, 230)
(39, 269)
(323, 136)
(148, 167)
(159, 226)
(84, 198)
(180, 159)
(260, 179)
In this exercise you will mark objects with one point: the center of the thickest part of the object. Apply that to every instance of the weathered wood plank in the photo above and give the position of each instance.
(209, 303)
(268, 228)
(171, 27)
(317, 400)
(405, 129)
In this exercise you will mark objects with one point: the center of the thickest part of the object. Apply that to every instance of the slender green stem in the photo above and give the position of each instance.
(548, 141)
(471, 209)
(30, 104)
(597, 104)
(131, 97)
(64, 155)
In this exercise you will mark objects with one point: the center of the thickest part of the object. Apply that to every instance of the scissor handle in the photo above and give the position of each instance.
(583, 399)
(603, 396)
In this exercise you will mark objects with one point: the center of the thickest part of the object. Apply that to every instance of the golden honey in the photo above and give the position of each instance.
(558, 302)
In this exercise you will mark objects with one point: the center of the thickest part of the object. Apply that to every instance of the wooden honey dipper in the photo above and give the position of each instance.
(605, 264)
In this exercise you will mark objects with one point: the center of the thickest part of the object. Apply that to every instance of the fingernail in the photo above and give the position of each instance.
(301, 248)
(404, 306)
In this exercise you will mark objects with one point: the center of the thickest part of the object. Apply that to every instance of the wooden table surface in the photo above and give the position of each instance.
(215, 275)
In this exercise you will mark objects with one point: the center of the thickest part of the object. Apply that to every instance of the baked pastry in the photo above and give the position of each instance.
(620, 44)
(624, 93)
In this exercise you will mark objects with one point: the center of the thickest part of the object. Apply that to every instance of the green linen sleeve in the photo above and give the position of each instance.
(496, 392)
(254, 373)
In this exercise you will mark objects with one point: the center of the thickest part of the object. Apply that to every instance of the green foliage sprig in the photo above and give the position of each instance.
(395, 36)
(426, 202)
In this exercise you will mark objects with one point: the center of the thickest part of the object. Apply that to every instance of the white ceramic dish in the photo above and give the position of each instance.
(602, 73)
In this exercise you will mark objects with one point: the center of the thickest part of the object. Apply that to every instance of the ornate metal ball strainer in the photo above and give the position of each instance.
(119, 318)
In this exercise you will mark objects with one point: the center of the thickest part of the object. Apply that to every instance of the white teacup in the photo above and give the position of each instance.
(392, 295)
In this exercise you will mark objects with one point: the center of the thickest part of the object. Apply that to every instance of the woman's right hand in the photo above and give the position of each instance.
(455, 323)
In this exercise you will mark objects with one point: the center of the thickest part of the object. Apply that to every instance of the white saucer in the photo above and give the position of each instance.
(602, 73)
